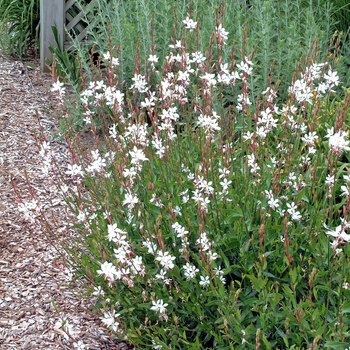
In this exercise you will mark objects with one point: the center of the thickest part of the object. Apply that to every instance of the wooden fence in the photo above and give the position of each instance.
(66, 16)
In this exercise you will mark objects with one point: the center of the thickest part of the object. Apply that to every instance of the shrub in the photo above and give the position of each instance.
(203, 220)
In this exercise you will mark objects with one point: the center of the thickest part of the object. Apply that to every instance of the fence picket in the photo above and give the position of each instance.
(57, 13)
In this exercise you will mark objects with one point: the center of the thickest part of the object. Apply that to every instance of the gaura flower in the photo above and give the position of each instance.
(159, 306)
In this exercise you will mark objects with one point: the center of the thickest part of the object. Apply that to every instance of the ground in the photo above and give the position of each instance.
(38, 309)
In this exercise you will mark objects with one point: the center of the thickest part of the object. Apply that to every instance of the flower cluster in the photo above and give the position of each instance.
(305, 88)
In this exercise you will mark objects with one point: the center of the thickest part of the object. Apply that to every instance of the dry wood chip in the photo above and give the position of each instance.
(34, 296)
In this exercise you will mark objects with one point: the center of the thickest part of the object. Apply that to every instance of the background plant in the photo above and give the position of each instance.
(19, 22)
(204, 219)
(279, 32)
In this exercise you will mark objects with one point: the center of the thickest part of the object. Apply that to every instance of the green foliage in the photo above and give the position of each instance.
(340, 14)
(65, 63)
(19, 23)
(341, 22)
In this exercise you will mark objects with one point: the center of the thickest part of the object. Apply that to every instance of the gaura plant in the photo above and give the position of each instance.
(202, 220)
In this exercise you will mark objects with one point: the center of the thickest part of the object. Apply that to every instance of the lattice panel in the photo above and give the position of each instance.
(74, 15)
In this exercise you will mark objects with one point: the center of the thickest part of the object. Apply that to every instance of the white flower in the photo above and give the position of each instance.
(301, 90)
(221, 33)
(204, 282)
(166, 260)
(29, 209)
(212, 255)
(247, 136)
(107, 57)
(74, 170)
(183, 76)
(108, 270)
(345, 191)
(114, 98)
(243, 339)
(153, 58)
(58, 86)
(209, 123)
(332, 78)
(170, 113)
(329, 180)
(197, 57)
(190, 271)
(151, 246)
(180, 230)
(149, 101)
(185, 197)
(131, 173)
(177, 45)
(162, 276)
(339, 233)
(140, 83)
(159, 306)
(98, 163)
(158, 145)
(137, 155)
(273, 203)
(157, 201)
(218, 271)
(310, 138)
(109, 319)
(82, 215)
(115, 234)
(98, 291)
(136, 264)
(122, 254)
(189, 24)
(293, 212)
(243, 100)
(338, 142)
(224, 172)
(252, 163)
(130, 200)
(245, 66)
(209, 78)
(177, 211)
(203, 242)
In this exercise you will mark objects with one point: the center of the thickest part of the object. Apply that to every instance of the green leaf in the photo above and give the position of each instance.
(346, 308)
(293, 274)
(336, 345)
(258, 283)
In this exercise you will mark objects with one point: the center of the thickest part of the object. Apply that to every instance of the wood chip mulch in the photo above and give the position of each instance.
(38, 309)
